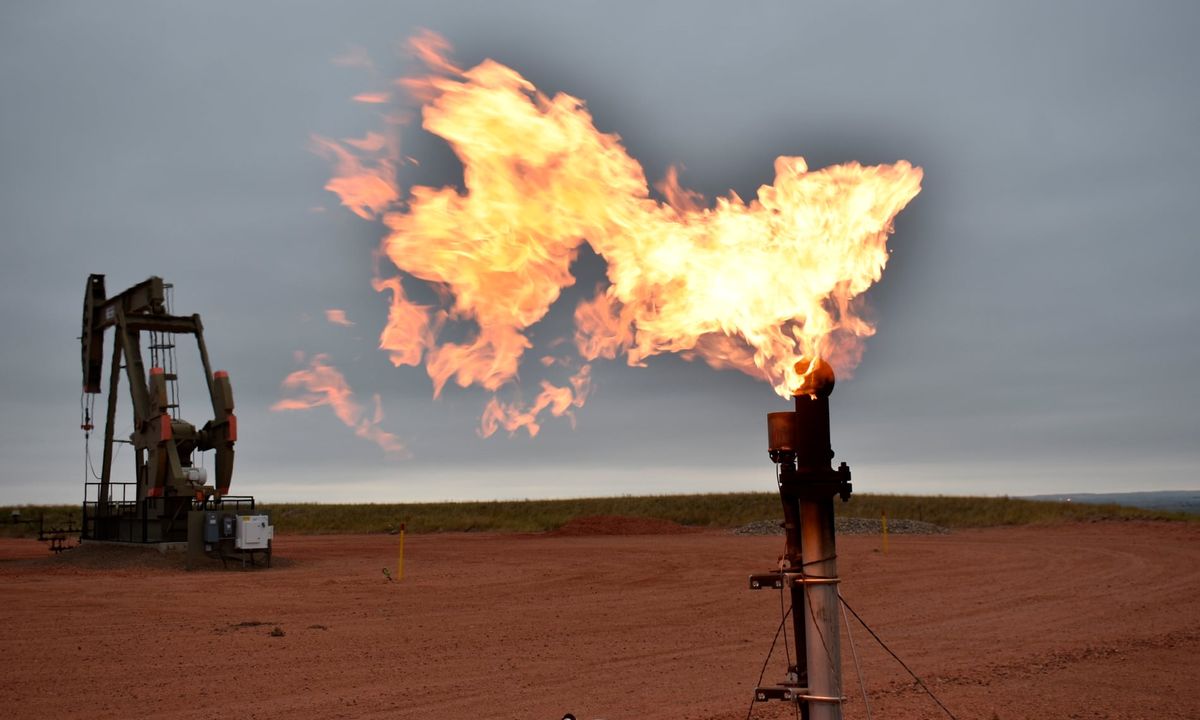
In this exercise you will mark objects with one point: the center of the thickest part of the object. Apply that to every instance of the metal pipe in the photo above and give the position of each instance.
(799, 444)
(821, 606)
(798, 673)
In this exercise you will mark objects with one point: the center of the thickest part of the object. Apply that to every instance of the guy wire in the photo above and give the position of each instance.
(907, 669)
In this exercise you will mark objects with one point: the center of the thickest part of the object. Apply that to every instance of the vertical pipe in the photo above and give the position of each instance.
(821, 608)
(794, 562)
(799, 444)
(814, 456)
(814, 452)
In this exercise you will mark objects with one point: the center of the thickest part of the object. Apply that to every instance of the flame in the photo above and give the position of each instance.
(338, 317)
(322, 384)
(750, 286)
(373, 98)
(557, 400)
(408, 332)
(746, 285)
(365, 173)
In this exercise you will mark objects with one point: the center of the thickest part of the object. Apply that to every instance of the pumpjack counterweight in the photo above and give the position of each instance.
(167, 485)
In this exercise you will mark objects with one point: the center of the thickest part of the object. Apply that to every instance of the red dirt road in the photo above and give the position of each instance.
(1074, 621)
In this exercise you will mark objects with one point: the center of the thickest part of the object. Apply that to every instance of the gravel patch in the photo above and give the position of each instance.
(850, 526)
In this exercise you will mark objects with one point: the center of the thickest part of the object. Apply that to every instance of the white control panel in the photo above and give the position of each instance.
(254, 532)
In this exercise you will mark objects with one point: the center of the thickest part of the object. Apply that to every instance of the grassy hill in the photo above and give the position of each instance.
(718, 510)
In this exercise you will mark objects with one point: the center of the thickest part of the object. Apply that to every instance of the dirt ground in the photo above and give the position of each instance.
(1076, 621)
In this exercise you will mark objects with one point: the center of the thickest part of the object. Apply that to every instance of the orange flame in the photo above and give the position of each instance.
(338, 317)
(365, 181)
(408, 333)
(557, 400)
(373, 98)
(750, 286)
(322, 384)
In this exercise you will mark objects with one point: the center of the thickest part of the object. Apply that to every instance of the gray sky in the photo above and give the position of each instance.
(1036, 322)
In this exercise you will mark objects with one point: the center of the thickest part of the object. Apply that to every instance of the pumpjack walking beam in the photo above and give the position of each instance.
(163, 444)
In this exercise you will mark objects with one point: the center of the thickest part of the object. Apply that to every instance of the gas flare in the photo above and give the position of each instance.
(747, 285)
(323, 384)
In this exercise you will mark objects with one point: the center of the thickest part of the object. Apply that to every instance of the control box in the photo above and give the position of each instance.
(219, 526)
(254, 532)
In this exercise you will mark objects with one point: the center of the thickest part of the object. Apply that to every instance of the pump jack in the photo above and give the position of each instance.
(168, 484)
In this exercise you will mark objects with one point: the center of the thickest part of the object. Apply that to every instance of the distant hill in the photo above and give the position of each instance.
(1187, 501)
(718, 510)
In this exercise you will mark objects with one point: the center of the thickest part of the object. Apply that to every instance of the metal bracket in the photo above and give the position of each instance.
(763, 581)
(816, 484)
(789, 693)
(777, 580)
(786, 693)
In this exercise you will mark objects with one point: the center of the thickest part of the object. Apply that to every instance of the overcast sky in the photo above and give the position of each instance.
(1037, 322)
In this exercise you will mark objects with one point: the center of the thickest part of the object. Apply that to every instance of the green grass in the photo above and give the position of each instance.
(714, 510)
(974, 512)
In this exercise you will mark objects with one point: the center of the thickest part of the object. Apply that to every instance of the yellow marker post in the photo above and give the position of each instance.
(400, 557)
(883, 520)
